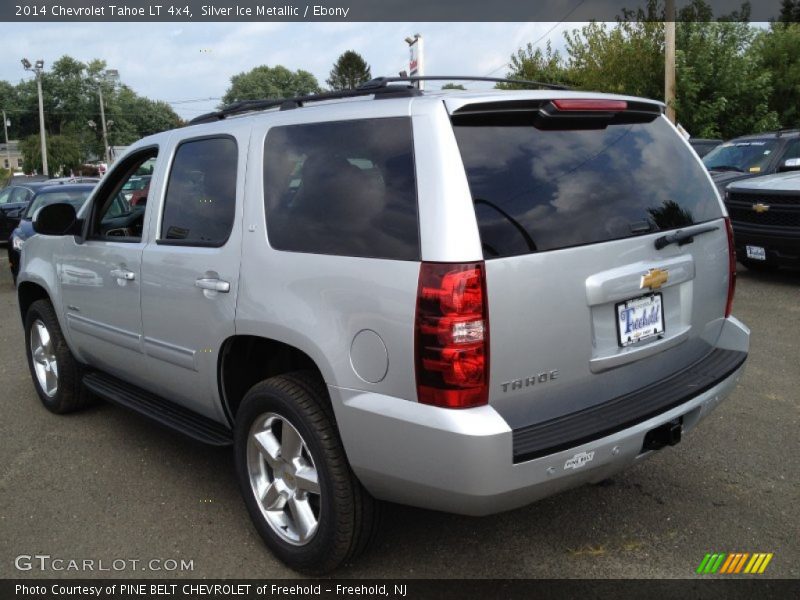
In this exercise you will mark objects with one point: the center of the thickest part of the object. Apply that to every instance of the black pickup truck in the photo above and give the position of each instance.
(765, 213)
(753, 156)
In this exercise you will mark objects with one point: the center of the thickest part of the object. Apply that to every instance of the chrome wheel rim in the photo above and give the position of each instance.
(43, 354)
(283, 479)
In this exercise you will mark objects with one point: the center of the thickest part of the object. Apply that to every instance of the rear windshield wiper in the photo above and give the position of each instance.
(514, 223)
(681, 237)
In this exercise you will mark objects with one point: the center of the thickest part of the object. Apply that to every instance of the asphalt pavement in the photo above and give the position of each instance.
(107, 485)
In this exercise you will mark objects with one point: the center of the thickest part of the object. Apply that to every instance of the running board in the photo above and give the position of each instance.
(164, 412)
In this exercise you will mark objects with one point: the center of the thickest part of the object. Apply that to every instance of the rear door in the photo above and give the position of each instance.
(569, 203)
(190, 273)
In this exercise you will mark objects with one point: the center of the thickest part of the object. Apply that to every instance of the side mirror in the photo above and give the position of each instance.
(56, 219)
(790, 164)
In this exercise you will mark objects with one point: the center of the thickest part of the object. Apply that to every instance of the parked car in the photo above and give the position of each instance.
(752, 156)
(136, 190)
(703, 146)
(463, 302)
(74, 194)
(765, 212)
(72, 179)
(14, 200)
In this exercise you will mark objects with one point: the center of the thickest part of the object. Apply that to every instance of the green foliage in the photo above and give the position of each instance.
(778, 53)
(453, 86)
(5, 175)
(270, 82)
(64, 154)
(534, 65)
(349, 71)
(732, 78)
(70, 93)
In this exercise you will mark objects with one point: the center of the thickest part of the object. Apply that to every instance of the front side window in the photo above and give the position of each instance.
(112, 215)
(200, 201)
(346, 188)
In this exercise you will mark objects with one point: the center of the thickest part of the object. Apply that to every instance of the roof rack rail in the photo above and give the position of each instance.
(382, 82)
(245, 106)
(379, 87)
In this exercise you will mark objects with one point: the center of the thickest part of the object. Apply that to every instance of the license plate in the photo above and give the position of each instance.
(639, 319)
(756, 253)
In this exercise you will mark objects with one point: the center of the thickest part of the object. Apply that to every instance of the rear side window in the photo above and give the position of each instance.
(536, 190)
(200, 201)
(345, 188)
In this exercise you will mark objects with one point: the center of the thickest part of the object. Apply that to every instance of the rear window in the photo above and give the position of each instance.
(345, 188)
(536, 190)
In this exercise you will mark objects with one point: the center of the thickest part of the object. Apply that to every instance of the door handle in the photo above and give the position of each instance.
(123, 274)
(215, 285)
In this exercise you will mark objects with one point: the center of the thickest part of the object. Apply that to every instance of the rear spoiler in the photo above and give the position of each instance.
(558, 113)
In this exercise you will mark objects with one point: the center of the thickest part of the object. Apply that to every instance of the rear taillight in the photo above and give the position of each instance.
(452, 335)
(731, 268)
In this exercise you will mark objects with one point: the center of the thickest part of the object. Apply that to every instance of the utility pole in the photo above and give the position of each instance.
(669, 58)
(105, 129)
(38, 68)
(8, 150)
(113, 75)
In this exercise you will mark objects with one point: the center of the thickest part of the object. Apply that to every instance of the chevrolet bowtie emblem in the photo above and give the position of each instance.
(654, 279)
(760, 207)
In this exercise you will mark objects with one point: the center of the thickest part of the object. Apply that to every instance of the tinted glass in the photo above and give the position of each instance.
(345, 188)
(537, 190)
(74, 197)
(201, 193)
(747, 156)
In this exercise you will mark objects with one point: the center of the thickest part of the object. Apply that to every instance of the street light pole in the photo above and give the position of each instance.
(37, 69)
(8, 150)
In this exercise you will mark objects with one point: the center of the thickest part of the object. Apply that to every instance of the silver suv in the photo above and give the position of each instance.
(460, 301)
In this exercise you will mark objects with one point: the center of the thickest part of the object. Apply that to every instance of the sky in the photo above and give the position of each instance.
(180, 62)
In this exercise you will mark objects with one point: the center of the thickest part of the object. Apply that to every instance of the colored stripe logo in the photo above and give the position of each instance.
(734, 563)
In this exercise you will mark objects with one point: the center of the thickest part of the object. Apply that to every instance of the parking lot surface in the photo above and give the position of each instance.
(105, 484)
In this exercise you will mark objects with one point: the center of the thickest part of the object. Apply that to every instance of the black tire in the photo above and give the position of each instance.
(348, 519)
(69, 395)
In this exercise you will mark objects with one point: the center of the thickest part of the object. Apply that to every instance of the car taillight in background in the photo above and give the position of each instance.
(731, 268)
(452, 335)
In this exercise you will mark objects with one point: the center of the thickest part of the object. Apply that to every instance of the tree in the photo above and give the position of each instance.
(722, 90)
(777, 52)
(349, 71)
(453, 86)
(534, 65)
(70, 95)
(64, 154)
(270, 82)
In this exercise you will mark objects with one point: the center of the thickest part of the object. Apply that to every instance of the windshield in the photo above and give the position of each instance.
(750, 156)
(136, 184)
(74, 197)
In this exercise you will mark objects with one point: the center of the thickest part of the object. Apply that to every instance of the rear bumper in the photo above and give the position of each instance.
(461, 461)
(782, 245)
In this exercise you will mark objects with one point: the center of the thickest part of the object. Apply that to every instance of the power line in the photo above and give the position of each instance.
(544, 35)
